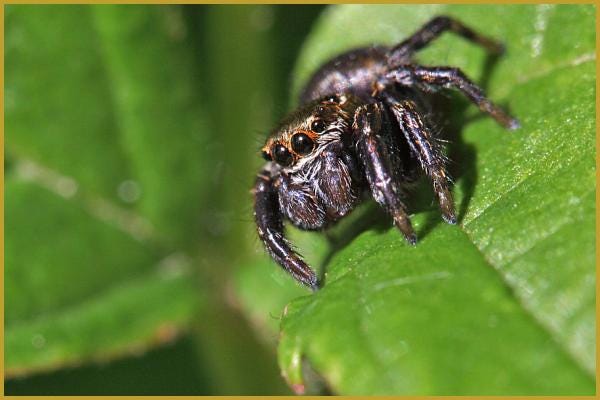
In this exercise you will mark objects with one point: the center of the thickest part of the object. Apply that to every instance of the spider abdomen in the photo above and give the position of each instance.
(353, 72)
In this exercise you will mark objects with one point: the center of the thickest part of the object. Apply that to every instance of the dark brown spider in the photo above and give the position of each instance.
(360, 131)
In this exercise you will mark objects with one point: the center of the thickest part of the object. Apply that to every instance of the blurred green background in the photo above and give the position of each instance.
(132, 265)
(132, 136)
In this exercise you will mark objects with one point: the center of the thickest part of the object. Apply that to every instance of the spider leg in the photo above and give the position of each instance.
(270, 231)
(375, 156)
(432, 30)
(428, 151)
(448, 77)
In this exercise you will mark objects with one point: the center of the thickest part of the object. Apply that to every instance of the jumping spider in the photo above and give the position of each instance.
(361, 131)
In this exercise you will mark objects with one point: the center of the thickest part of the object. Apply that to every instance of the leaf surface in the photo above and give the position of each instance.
(88, 292)
(160, 113)
(103, 185)
(49, 117)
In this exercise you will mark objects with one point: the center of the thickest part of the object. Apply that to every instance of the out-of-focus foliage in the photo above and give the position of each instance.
(505, 302)
(87, 278)
(132, 266)
(127, 182)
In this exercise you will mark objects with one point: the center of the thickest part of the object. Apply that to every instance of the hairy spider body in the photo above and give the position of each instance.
(360, 132)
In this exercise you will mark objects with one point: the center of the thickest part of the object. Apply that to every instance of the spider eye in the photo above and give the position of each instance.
(302, 143)
(282, 155)
(266, 156)
(317, 126)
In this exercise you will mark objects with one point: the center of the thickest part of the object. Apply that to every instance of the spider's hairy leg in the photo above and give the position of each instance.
(428, 151)
(432, 30)
(430, 78)
(270, 231)
(374, 154)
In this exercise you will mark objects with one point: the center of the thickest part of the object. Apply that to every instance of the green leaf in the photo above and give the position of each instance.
(505, 302)
(85, 136)
(114, 114)
(159, 112)
(57, 100)
(125, 319)
(88, 292)
(139, 123)
(124, 377)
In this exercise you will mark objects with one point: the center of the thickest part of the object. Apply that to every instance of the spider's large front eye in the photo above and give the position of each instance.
(302, 143)
(282, 155)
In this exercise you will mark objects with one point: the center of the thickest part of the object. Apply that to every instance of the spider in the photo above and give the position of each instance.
(361, 131)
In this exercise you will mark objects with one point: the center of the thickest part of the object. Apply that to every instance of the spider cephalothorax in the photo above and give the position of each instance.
(361, 131)
(312, 176)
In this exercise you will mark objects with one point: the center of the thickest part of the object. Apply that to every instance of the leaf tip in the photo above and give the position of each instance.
(290, 361)
(298, 388)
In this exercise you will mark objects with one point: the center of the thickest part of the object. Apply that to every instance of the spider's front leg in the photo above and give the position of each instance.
(431, 78)
(427, 150)
(375, 156)
(269, 224)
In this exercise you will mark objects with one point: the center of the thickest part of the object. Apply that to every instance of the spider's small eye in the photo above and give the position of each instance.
(333, 99)
(302, 143)
(266, 156)
(282, 155)
(317, 126)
